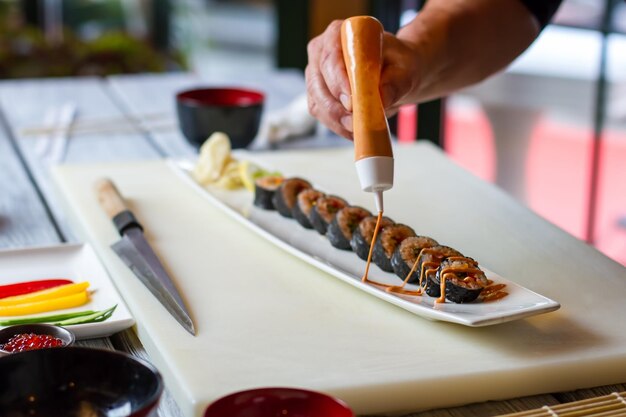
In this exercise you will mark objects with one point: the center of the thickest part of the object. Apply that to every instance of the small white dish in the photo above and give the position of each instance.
(77, 262)
(315, 249)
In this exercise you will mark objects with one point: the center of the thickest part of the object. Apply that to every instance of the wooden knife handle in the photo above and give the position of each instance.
(110, 198)
(362, 44)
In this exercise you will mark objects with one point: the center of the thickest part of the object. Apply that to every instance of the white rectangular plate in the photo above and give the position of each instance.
(315, 249)
(77, 262)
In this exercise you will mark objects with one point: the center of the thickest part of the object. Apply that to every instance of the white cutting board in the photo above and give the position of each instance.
(265, 318)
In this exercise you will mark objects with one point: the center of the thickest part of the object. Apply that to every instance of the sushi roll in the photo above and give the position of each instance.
(405, 256)
(387, 242)
(429, 261)
(264, 190)
(463, 280)
(362, 235)
(304, 204)
(324, 211)
(285, 196)
(340, 230)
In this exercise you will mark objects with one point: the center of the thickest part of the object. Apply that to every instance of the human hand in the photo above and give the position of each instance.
(328, 87)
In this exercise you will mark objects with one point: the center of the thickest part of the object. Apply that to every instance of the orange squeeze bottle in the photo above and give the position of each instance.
(362, 41)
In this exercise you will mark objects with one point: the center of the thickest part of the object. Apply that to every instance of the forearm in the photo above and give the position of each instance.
(461, 42)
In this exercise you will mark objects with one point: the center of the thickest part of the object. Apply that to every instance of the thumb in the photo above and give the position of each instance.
(388, 95)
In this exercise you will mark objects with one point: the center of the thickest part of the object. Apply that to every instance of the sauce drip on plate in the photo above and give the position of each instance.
(493, 292)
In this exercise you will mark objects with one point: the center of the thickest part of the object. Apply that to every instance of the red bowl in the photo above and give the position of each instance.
(272, 402)
(234, 111)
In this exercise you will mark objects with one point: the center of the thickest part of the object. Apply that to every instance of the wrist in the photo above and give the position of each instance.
(423, 50)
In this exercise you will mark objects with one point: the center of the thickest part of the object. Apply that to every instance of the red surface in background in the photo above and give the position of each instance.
(557, 175)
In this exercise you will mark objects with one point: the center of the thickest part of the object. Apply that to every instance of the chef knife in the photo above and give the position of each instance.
(136, 253)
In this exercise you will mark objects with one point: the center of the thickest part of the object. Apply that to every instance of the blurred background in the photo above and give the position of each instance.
(550, 130)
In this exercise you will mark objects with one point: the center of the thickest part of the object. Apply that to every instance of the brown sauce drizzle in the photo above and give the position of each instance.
(490, 293)
(451, 272)
(423, 274)
(400, 288)
(369, 255)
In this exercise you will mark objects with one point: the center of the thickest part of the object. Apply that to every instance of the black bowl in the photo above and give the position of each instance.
(77, 381)
(234, 111)
(48, 329)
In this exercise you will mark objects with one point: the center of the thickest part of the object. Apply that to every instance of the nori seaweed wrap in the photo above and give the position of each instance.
(387, 242)
(324, 211)
(304, 204)
(405, 256)
(285, 197)
(362, 235)
(433, 256)
(464, 281)
(340, 229)
(264, 189)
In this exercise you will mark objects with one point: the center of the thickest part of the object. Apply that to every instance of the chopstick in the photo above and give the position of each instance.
(59, 139)
(127, 124)
(610, 405)
(120, 129)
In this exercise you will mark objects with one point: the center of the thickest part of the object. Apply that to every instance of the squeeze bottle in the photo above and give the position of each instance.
(361, 41)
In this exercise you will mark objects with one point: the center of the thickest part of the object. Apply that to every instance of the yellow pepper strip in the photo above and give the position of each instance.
(42, 306)
(43, 295)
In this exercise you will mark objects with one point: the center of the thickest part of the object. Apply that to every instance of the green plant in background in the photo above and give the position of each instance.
(117, 53)
(26, 53)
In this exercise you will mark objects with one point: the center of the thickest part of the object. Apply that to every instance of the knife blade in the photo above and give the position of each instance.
(136, 253)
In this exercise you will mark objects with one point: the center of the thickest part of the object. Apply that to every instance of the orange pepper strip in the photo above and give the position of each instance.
(59, 303)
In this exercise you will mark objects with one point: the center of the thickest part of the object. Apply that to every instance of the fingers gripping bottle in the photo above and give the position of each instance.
(361, 40)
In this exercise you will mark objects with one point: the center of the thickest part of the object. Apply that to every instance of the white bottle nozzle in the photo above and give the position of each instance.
(375, 175)
(378, 195)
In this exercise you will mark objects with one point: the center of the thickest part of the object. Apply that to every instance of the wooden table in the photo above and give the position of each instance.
(30, 214)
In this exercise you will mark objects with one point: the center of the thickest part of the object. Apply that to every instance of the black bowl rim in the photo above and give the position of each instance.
(188, 101)
(232, 395)
(149, 402)
(62, 333)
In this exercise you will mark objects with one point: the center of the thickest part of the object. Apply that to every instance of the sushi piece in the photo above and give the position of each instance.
(460, 279)
(324, 211)
(362, 235)
(405, 256)
(340, 230)
(264, 190)
(387, 242)
(304, 204)
(429, 261)
(285, 197)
